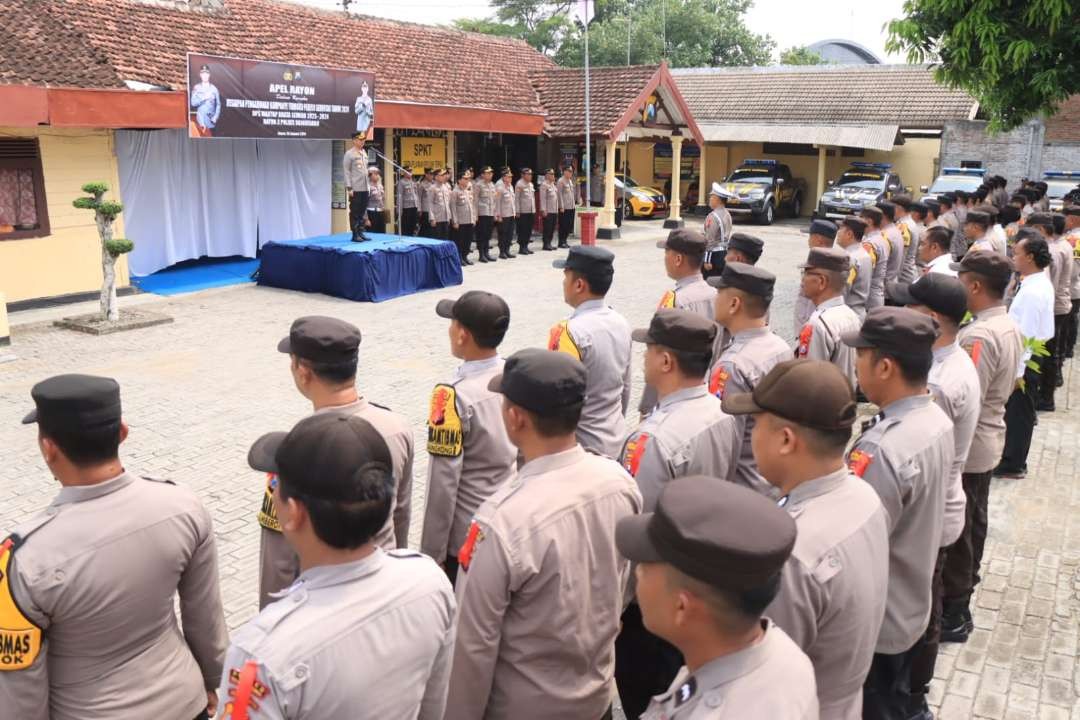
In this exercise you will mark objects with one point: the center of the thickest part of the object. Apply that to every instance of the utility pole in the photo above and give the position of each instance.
(629, 8)
(588, 127)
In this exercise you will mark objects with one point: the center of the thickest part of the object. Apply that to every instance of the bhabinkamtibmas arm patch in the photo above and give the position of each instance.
(444, 423)
(268, 513)
(560, 340)
(20, 638)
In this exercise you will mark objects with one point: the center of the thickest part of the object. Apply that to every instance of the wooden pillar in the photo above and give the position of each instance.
(674, 215)
(606, 228)
(389, 180)
(703, 186)
(822, 152)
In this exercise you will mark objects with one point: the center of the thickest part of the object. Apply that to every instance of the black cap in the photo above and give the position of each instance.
(856, 225)
(322, 339)
(589, 260)
(948, 196)
(682, 330)
(715, 531)
(684, 240)
(874, 213)
(484, 314)
(542, 381)
(933, 205)
(941, 293)
(526, 171)
(359, 134)
(832, 259)
(204, 68)
(1071, 210)
(321, 454)
(75, 402)
(747, 278)
(1044, 219)
(985, 262)
(919, 207)
(895, 329)
(748, 245)
(888, 209)
(978, 217)
(903, 201)
(825, 228)
(813, 393)
(485, 169)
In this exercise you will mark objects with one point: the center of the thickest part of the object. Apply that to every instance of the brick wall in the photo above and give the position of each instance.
(1064, 126)
(1014, 154)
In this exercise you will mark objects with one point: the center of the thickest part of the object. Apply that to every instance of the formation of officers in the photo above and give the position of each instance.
(735, 555)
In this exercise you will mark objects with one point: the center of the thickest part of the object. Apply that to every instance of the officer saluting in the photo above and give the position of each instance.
(469, 454)
(363, 633)
(87, 627)
(824, 277)
(709, 561)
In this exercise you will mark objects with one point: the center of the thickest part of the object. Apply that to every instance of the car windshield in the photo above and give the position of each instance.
(1060, 188)
(861, 179)
(945, 183)
(761, 175)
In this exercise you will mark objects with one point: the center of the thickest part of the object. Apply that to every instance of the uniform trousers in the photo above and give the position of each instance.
(408, 221)
(463, 237)
(424, 222)
(925, 651)
(645, 665)
(1071, 327)
(357, 209)
(716, 259)
(887, 690)
(377, 218)
(1020, 419)
(549, 228)
(484, 226)
(451, 568)
(506, 234)
(441, 230)
(964, 557)
(524, 229)
(203, 715)
(566, 225)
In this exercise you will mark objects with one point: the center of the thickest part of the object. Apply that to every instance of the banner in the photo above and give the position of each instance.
(234, 98)
(421, 152)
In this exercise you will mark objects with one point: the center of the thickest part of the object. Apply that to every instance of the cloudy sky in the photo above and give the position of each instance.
(788, 22)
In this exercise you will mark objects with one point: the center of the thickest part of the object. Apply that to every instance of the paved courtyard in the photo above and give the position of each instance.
(197, 392)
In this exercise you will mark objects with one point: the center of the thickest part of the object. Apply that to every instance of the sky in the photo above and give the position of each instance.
(789, 22)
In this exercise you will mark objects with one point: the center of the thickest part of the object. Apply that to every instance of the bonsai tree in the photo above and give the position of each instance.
(105, 213)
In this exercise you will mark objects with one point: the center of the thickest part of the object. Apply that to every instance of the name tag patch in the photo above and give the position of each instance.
(20, 638)
(445, 436)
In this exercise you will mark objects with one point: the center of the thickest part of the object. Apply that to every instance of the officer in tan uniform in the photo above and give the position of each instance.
(525, 197)
(849, 236)
(439, 205)
(423, 190)
(355, 168)
(905, 453)
(742, 308)
(87, 588)
(709, 562)
(599, 337)
(687, 434)
(911, 230)
(822, 235)
(469, 454)
(323, 353)
(362, 634)
(833, 588)
(541, 582)
(879, 248)
(568, 200)
(975, 226)
(717, 232)
(549, 207)
(484, 200)
(461, 218)
(505, 213)
(995, 344)
(895, 238)
(409, 201)
(825, 274)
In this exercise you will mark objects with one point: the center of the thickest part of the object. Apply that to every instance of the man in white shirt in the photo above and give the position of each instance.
(1033, 310)
(934, 250)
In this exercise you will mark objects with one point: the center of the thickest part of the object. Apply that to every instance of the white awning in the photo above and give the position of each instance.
(870, 137)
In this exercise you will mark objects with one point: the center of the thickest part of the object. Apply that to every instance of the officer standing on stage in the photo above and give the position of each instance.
(568, 200)
(879, 248)
(525, 197)
(484, 199)
(717, 232)
(469, 453)
(824, 276)
(461, 218)
(87, 587)
(540, 581)
(549, 207)
(599, 337)
(505, 213)
(363, 633)
(709, 562)
(834, 585)
(323, 352)
(355, 165)
(409, 202)
(822, 235)
(376, 209)
(439, 205)
(423, 191)
(904, 453)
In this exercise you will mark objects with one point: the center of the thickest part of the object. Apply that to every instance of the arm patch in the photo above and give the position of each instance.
(20, 638)
(444, 423)
(560, 340)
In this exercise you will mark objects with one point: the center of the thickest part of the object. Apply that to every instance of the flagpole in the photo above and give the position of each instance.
(588, 128)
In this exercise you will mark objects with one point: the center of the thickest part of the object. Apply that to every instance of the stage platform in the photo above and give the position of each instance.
(384, 267)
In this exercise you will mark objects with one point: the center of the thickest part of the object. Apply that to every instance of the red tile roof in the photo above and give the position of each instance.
(612, 91)
(101, 43)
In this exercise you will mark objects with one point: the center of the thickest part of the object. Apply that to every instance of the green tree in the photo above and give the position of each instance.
(801, 55)
(541, 24)
(1018, 59)
(105, 212)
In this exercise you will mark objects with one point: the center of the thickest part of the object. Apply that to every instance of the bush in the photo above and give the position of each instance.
(95, 188)
(110, 209)
(118, 246)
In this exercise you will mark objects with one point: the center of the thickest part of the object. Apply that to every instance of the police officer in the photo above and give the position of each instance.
(744, 248)
(469, 454)
(709, 562)
(975, 227)
(439, 206)
(995, 344)
(849, 236)
(525, 197)
(949, 218)
(895, 238)
(424, 194)
(824, 275)
(833, 587)
(568, 200)
(87, 626)
(599, 337)
(933, 213)
(717, 232)
(822, 235)
(409, 202)
(904, 453)
(376, 209)
(1061, 272)
(363, 633)
(461, 218)
(1072, 236)
(505, 213)
(878, 248)
(355, 166)
(323, 354)
(549, 207)
(910, 226)
(541, 581)
(742, 308)
(484, 197)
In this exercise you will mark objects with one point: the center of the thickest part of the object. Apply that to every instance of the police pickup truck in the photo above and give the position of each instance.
(1060, 183)
(761, 188)
(861, 185)
(956, 178)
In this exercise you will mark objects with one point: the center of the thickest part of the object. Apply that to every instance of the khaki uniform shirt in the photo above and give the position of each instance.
(525, 195)
(906, 454)
(567, 194)
(911, 232)
(540, 591)
(364, 640)
(994, 343)
(717, 230)
(955, 386)
(857, 290)
(833, 587)
(804, 308)
(878, 248)
(984, 243)
(407, 196)
(355, 164)
(750, 356)
(1061, 272)
(376, 197)
(505, 204)
(549, 197)
(1073, 238)
(279, 564)
(687, 434)
(600, 338)
(461, 206)
(423, 190)
(484, 192)
(771, 679)
(439, 204)
(94, 580)
(820, 338)
(469, 455)
(897, 250)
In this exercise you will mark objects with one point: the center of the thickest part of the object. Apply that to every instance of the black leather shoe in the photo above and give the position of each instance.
(1044, 406)
(563, 246)
(525, 251)
(954, 628)
(548, 247)
(482, 258)
(510, 255)
(503, 255)
(466, 261)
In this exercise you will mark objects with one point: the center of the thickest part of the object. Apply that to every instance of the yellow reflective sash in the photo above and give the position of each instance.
(559, 340)
(445, 435)
(905, 232)
(20, 638)
(268, 513)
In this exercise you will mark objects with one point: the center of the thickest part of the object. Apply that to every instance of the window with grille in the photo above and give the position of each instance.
(22, 193)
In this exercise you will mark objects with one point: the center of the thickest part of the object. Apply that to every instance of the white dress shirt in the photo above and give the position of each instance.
(1033, 310)
(940, 264)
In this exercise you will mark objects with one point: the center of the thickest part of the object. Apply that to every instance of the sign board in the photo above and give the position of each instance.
(234, 98)
(690, 157)
(422, 152)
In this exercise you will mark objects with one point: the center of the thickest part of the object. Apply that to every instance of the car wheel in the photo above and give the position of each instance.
(796, 207)
(768, 214)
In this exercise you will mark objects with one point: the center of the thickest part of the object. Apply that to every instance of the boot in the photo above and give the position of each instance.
(547, 246)
(563, 245)
(956, 625)
(524, 250)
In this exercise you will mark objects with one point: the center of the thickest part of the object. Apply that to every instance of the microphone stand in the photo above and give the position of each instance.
(397, 200)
